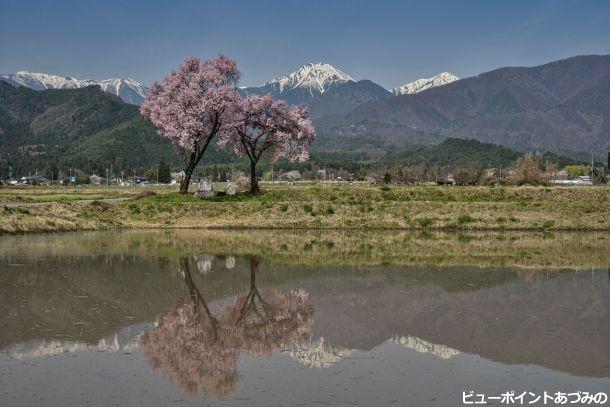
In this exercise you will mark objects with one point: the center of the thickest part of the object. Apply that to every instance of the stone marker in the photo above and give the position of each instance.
(230, 188)
(204, 188)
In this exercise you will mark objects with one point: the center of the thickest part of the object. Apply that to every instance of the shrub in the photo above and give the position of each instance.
(548, 224)
(465, 238)
(329, 211)
(16, 209)
(284, 207)
(528, 171)
(576, 170)
(463, 219)
(468, 176)
(308, 208)
(426, 222)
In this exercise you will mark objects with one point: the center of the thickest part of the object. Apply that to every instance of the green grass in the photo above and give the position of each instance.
(426, 222)
(315, 206)
(464, 219)
(548, 224)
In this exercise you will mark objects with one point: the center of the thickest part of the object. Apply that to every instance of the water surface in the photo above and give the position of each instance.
(295, 318)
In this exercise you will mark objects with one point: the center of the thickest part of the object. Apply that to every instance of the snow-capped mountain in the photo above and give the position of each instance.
(131, 91)
(306, 82)
(419, 85)
(317, 78)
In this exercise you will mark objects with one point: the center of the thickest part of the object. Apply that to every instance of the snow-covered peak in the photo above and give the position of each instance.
(318, 78)
(131, 91)
(40, 81)
(419, 85)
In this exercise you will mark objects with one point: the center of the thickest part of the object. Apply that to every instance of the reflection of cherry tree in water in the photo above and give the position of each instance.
(199, 351)
(192, 346)
(279, 320)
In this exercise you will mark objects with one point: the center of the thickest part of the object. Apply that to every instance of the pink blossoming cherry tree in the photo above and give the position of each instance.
(260, 125)
(191, 107)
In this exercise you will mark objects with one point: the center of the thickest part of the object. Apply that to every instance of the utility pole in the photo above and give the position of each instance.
(107, 180)
(500, 171)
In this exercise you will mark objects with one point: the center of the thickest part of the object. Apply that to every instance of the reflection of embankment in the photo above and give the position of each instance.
(337, 248)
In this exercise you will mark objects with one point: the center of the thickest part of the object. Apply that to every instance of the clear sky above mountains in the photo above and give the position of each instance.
(389, 42)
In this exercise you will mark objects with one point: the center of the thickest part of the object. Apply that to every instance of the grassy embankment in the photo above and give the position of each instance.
(313, 206)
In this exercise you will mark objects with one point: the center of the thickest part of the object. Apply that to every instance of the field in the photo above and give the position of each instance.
(315, 206)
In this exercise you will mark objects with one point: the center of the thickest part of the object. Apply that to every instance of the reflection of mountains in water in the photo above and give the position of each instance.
(126, 340)
(318, 354)
(321, 354)
(423, 346)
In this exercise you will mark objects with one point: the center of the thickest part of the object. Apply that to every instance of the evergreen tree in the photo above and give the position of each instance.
(165, 175)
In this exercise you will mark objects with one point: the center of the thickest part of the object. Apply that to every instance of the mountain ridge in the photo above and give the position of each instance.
(130, 90)
(308, 81)
(419, 85)
(562, 106)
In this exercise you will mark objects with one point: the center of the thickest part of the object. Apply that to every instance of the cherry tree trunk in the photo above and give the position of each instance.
(254, 190)
(186, 181)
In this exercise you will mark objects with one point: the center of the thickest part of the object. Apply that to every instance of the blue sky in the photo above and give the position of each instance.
(389, 42)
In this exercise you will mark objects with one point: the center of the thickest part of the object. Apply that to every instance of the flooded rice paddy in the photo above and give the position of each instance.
(234, 318)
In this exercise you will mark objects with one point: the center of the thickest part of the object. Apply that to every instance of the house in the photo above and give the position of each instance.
(95, 180)
(581, 180)
(138, 180)
(177, 177)
(290, 176)
(33, 180)
(560, 175)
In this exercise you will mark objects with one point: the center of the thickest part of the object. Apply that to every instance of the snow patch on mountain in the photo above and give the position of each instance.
(419, 85)
(131, 91)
